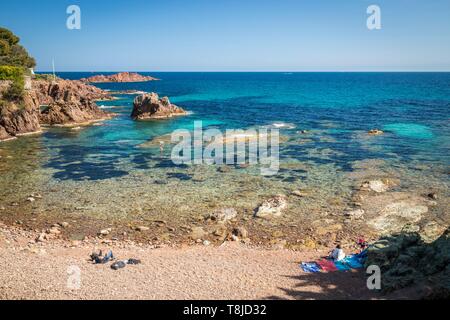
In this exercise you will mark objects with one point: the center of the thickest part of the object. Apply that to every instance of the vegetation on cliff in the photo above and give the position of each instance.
(14, 65)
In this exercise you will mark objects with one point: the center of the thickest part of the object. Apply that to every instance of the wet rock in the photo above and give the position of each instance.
(375, 132)
(223, 215)
(299, 193)
(224, 169)
(375, 185)
(273, 207)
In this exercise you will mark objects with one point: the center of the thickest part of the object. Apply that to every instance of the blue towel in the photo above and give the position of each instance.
(341, 266)
(353, 262)
(310, 267)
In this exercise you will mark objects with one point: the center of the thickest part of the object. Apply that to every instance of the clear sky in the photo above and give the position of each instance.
(233, 35)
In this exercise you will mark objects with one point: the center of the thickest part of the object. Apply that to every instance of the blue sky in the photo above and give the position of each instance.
(234, 35)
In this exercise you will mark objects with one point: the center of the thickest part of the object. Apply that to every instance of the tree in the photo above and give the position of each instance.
(12, 53)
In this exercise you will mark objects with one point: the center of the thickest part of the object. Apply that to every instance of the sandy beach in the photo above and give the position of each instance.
(231, 271)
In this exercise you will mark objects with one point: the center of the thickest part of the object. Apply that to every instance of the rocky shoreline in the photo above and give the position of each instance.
(67, 102)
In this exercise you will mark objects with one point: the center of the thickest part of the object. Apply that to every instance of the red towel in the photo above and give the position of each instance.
(327, 265)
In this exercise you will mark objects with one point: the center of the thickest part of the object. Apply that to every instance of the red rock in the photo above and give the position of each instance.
(119, 77)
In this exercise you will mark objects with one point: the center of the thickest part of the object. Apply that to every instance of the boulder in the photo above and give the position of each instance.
(375, 185)
(223, 215)
(150, 106)
(273, 207)
(395, 216)
(406, 259)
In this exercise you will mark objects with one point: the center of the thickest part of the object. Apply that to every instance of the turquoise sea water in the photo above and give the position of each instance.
(413, 109)
(103, 169)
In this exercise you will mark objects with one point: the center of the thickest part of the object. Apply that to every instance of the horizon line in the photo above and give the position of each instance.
(254, 71)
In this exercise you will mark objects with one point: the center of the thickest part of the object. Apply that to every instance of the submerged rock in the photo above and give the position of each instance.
(150, 106)
(272, 207)
(375, 185)
(375, 132)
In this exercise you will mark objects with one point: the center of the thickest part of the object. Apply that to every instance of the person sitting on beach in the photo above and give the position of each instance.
(337, 254)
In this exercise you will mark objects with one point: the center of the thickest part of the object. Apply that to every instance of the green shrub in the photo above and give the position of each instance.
(11, 73)
(16, 75)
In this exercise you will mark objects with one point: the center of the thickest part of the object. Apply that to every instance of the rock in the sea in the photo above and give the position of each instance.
(223, 215)
(150, 106)
(375, 132)
(119, 77)
(375, 185)
(299, 193)
(272, 207)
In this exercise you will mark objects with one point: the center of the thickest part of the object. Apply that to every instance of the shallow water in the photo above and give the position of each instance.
(102, 172)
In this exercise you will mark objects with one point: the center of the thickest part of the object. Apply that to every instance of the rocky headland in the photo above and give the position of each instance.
(150, 106)
(119, 77)
(70, 102)
(67, 102)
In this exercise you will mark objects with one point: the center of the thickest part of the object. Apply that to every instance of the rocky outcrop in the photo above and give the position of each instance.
(406, 259)
(69, 102)
(52, 91)
(67, 113)
(19, 118)
(150, 106)
(119, 77)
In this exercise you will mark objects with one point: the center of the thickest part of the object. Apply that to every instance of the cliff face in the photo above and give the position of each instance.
(119, 77)
(19, 118)
(150, 106)
(49, 92)
(70, 102)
